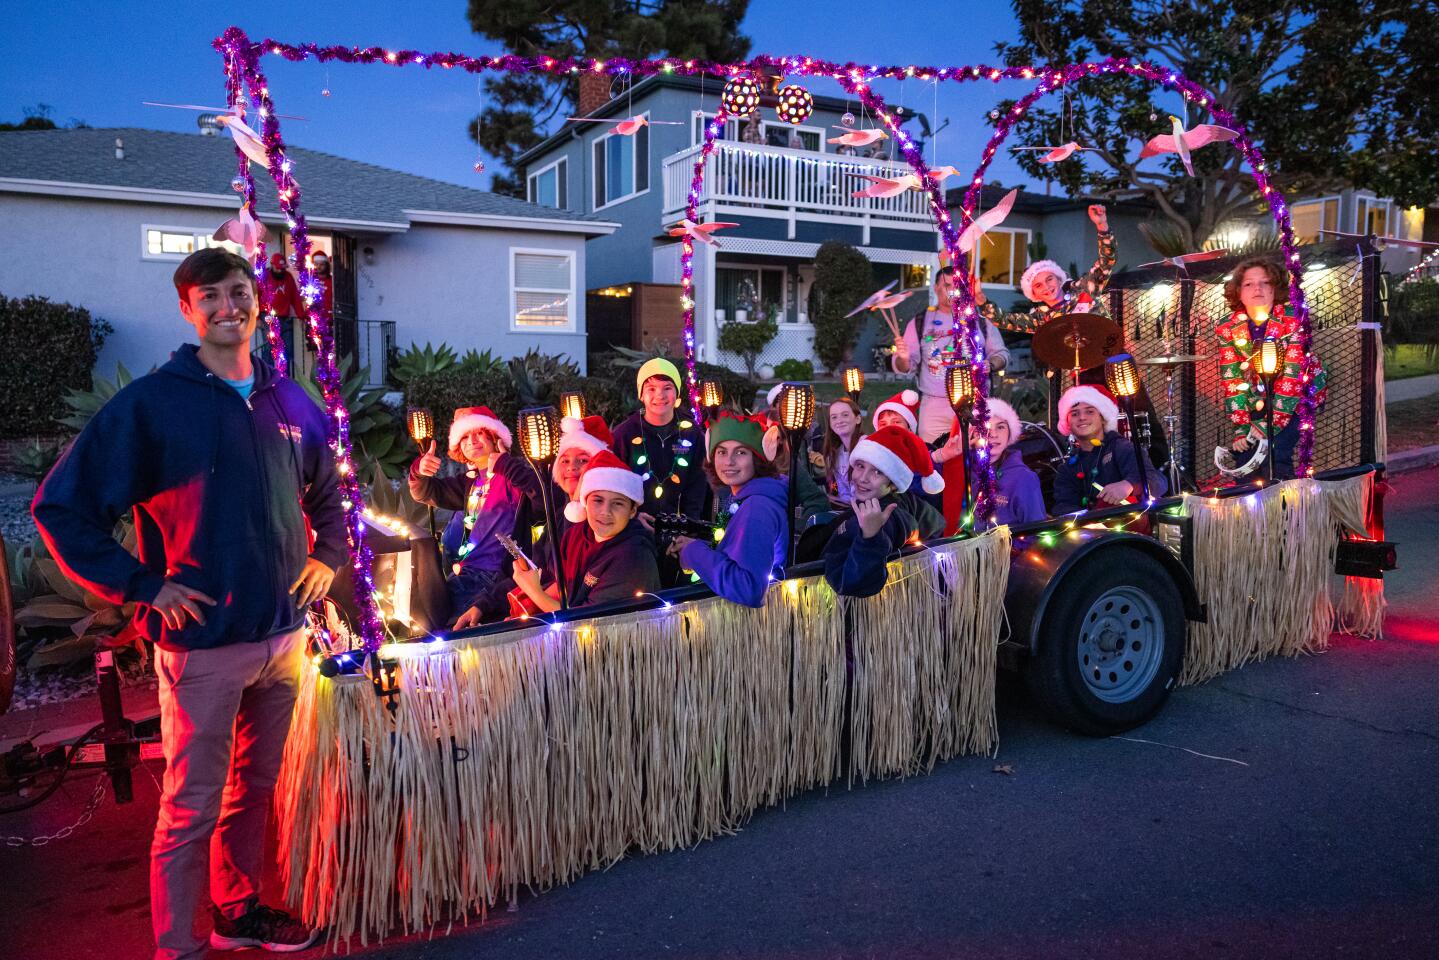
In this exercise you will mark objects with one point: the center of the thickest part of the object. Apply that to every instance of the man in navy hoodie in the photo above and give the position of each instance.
(222, 462)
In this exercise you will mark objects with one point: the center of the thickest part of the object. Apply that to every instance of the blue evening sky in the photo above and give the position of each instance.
(96, 61)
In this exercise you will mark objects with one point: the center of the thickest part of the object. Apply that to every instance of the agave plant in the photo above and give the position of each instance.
(84, 404)
(375, 429)
(45, 597)
(418, 361)
(481, 361)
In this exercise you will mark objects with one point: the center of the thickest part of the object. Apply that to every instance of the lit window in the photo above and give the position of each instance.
(549, 187)
(177, 243)
(1312, 216)
(1003, 256)
(1372, 216)
(542, 290)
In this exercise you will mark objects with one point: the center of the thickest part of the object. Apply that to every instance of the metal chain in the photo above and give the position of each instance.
(64, 832)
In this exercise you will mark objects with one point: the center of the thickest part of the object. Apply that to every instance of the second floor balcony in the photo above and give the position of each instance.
(779, 182)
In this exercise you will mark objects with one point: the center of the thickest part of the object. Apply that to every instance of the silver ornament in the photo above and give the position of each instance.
(325, 92)
(238, 184)
(479, 166)
(1153, 116)
(847, 119)
(994, 114)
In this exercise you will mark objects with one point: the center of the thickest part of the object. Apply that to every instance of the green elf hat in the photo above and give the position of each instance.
(659, 367)
(748, 430)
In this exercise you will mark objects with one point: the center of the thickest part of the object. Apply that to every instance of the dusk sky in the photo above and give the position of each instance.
(96, 61)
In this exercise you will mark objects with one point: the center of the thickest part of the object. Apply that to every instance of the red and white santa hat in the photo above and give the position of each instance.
(605, 472)
(901, 456)
(1001, 412)
(591, 434)
(477, 418)
(1026, 280)
(1097, 397)
(905, 403)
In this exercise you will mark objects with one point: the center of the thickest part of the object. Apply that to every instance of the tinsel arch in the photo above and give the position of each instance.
(246, 85)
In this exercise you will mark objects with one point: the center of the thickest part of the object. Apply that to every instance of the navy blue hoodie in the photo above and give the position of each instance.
(220, 487)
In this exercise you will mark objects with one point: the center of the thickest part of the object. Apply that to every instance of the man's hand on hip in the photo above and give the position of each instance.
(313, 582)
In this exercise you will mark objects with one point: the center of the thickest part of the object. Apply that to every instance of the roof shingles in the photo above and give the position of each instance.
(332, 188)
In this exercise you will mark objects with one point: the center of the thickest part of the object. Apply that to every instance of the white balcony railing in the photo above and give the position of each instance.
(793, 183)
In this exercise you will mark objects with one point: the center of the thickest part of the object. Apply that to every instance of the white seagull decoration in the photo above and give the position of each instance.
(1183, 141)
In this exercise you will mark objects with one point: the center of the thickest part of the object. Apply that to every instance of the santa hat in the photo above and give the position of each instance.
(1026, 282)
(591, 434)
(659, 367)
(773, 395)
(901, 456)
(905, 403)
(1003, 412)
(605, 472)
(1096, 397)
(477, 418)
(277, 261)
(748, 430)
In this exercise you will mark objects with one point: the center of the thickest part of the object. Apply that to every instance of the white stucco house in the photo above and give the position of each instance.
(100, 217)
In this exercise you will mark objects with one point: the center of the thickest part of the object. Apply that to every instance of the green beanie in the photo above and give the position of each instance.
(658, 367)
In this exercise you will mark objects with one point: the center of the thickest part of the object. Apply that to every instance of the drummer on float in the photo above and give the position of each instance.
(1054, 291)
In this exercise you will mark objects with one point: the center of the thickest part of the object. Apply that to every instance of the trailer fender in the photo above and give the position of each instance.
(1040, 562)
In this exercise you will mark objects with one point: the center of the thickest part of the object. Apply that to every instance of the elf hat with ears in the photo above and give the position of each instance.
(608, 473)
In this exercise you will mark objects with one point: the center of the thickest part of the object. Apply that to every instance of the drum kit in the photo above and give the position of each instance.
(1081, 341)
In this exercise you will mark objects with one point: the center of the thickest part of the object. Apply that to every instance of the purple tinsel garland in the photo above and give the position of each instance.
(243, 75)
(245, 58)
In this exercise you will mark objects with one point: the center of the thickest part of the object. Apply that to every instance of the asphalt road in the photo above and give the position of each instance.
(1322, 840)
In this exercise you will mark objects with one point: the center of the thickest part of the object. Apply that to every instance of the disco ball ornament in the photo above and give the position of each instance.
(238, 184)
(740, 97)
(994, 114)
(325, 92)
(795, 104)
(1153, 116)
(479, 166)
(847, 119)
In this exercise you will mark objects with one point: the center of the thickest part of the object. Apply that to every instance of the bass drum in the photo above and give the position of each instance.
(1043, 450)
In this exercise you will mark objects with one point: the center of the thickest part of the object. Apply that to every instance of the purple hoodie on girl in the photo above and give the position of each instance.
(754, 544)
(1017, 495)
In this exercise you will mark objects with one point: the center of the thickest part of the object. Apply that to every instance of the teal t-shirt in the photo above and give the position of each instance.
(242, 387)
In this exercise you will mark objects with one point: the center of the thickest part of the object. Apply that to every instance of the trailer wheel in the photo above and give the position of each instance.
(1111, 644)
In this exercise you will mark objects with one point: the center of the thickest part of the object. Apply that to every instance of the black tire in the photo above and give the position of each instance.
(1085, 674)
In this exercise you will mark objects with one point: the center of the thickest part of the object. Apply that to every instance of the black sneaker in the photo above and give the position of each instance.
(263, 927)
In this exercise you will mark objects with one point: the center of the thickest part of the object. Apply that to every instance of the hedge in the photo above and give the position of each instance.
(46, 350)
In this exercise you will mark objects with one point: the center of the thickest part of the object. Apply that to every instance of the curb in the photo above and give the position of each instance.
(1409, 460)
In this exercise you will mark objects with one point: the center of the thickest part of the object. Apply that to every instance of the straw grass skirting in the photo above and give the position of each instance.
(1264, 569)
(530, 759)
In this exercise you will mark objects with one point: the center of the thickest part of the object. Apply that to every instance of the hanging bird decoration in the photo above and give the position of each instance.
(882, 188)
(873, 299)
(987, 221)
(243, 229)
(859, 138)
(1055, 154)
(1183, 141)
(1183, 260)
(941, 174)
(630, 126)
(699, 231)
(233, 120)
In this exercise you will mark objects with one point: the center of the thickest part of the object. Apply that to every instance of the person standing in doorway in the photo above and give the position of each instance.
(237, 510)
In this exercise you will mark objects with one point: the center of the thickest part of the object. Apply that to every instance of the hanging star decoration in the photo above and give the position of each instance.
(987, 221)
(1184, 141)
(699, 231)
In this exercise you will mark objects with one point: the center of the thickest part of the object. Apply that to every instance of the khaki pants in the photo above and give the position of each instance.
(224, 716)
(936, 416)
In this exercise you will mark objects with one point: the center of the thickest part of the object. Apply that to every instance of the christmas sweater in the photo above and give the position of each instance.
(1082, 294)
(1239, 339)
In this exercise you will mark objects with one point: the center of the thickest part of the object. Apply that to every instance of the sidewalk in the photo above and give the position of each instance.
(1410, 388)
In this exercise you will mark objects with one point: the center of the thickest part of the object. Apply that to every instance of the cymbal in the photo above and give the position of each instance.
(1173, 360)
(1076, 341)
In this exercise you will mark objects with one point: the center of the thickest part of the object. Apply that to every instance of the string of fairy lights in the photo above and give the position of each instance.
(246, 85)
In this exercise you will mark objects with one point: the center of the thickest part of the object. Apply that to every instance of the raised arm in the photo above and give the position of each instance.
(1097, 279)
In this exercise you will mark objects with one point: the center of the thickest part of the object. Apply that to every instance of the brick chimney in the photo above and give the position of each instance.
(594, 93)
